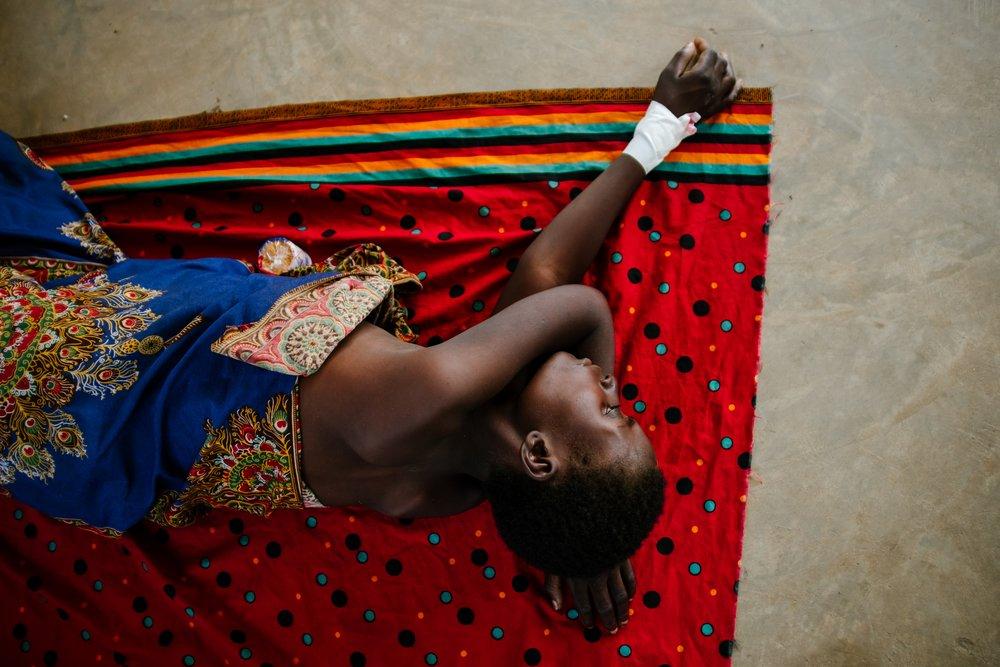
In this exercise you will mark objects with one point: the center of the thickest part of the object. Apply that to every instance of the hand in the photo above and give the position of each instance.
(697, 79)
(612, 591)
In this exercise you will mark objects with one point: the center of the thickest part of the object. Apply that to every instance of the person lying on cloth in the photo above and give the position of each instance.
(136, 389)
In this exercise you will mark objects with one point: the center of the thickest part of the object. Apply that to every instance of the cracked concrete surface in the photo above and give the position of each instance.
(872, 521)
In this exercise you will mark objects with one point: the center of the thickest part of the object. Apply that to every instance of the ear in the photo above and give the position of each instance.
(538, 457)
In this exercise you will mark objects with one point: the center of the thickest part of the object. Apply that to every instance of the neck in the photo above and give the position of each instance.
(487, 437)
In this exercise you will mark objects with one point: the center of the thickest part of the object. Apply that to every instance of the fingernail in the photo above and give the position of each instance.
(625, 622)
(614, 631)
(695, 116)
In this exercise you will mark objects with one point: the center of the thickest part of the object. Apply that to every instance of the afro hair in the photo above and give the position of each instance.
(578, 525)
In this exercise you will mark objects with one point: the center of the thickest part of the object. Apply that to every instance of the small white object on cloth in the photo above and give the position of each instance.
(279, 255)
(658, 133)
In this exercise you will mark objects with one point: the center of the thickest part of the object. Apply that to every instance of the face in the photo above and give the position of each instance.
(574, 405)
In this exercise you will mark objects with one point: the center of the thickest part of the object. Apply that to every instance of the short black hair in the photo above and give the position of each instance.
(580, 524)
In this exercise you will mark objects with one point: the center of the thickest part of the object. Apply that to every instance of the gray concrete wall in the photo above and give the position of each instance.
(873, 518)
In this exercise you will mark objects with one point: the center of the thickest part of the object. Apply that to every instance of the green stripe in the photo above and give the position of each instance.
(415, 174)
(511, 131)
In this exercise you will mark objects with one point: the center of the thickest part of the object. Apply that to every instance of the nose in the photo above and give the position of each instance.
(608, 381)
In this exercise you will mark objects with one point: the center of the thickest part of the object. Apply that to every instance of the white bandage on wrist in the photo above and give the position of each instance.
(658, 133)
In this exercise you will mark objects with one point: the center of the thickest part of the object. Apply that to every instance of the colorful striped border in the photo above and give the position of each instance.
(526, 135)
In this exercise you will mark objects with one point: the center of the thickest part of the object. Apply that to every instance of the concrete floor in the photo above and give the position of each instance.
(873, 520)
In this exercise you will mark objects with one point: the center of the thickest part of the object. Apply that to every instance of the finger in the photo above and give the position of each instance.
(603, 605)
(628, 576)
(706, 61)
(553, 588)
(726, 89)
(616, 588)
(682, 59)
(736, 90)
(581, 600)
(700, 44)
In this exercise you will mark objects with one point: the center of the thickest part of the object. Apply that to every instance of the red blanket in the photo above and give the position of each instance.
(455, 187)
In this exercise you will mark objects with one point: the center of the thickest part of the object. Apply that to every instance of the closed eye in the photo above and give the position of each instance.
(612, 408)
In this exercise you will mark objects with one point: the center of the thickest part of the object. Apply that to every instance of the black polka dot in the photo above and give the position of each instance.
(574, 193)
(139, 604)
(455, 195)
(532, 656)
(651, 330)
(630, 391)
(736, 587)
(456, 291)
(684, 486)
(591, 634)
(50, 658)
(444, 236)
(645, 223)
(634, 276)
(126, 551)
(238, 636)
(406, 638)
(169, 590)
(665, 546)
(684, 364)
(295, 219)
(162, 536)
(80, 566)
(405, 521)
(221, 228)
(223, 579)
(285, 618)
(466, 616)
(176, 251)
(166, 637)
(479, 556)
(257, 207)
(273, 549)
(651, 599)
(687, 241)
(236, 526)
(743, 460)
(519, 583)
(119, 657)
(726, 648)
(30, 531)
(63, 614)
(407, 222)
(434, 340)
(157, 202)
(701, 308)
(34, 582)
(338, 598)
(753, 400)
(190, 214)
(766, 228)
(336, 194)
(672, 415)
(393, 567)
(327, 233)
(159, 237)
(696, 196)
(528, 223)
(512, 264)
(366, 209)
(757, 282)
(20, 631)
(358, 659)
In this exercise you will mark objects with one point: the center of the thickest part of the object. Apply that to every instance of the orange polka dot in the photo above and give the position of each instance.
(479, 533)
(739, 563)
(652, 427)
(351, 519)
(714, 285)
(327, 544)
(125, 581)
(500, 230)
(99, 657)
(631, 611)
(337, 635)
(464, 653)
(713, 592)
(93, 546)
(270, 224)
(116, 637)
(212, 530)
(767, 207)
(21, 609)
(420, 614)
(743, 235)
(295, 660)
(666, 253)
(381, 228)
(680, 648)
(631, 310)
(546, 632)
(374, 578)
(732, 407)
(642, 202)
(711, 348)
(524, 203)
(621, 225)
(628, 367)
(694, 529)
(451, 561)
(190, 624)
(743, 498)
(256, 560)
(298, 596)
(501, 595)
(756, 318)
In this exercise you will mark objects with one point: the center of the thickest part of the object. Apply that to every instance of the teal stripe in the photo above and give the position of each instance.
(372, 140)
(422, 174)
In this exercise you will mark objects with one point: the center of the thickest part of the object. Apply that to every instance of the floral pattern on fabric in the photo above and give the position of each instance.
(249, 464)
(44, 269)
(54, 343)
(31, 155)
(93, 239)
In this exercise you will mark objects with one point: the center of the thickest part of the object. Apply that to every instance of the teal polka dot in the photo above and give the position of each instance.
(624, 650)
(189, 660)
(664, 288)
(250, 596)
(726, 442)
(496, 632)
(189, 611)
(553, 184)
(52, 545)
(415, 231)
(246, 653)
(654, 236)
(489, 572)
(85, 634)
(205, 563)
(616, 257)
(726, 326)
(484, 211)
(494, 251)
(478, 305)
(244, 540)
(18, 514)
(694, 568)
(434, 538)
(661, 349)
(707, 629)
(362, 556)
(573, 614)
(301, 228)
(713, 385)
(672, 185)
(639, 406)
(369, 615)
(98, 585)
(431, 659)
(25, 646)
(314, 186)
(725, 215)
(307, 639)
(445, 597)
(422, 275)
(311, 521)
(739, 267)
(148, 621)
(709, 505)
(321, 579)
